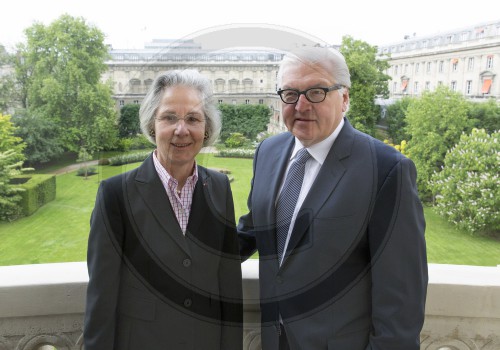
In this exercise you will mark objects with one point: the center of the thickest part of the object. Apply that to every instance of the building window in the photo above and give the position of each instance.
(247, 85)
(470, 63)
(427, 85)
(395, 70)
(233, 102)
(429, 65)
(220, 101)
(233, 85)
(465, 36)
(406, 69)
(486, 86)
(453, 86)
(220, 85)
(417, 67)
(136, 102)
(415, 87)
(121, 103)
(440, 83)
(479, 33)
(489, 62)
(394, 87)
(441, 66)
(468, 87)
(247, 102)
(261, 101)
(404, 84)
(135, 86)
(454, 65)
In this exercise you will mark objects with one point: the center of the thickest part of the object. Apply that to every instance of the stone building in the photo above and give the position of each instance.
(239, 76)
(467, 60)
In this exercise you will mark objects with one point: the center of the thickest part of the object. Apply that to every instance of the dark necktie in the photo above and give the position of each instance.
(288, 199)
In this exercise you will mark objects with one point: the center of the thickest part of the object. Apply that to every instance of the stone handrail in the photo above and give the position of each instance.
(41, 307)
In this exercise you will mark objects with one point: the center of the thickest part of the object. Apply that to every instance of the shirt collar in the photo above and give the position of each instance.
(319, 150)
(193, 178)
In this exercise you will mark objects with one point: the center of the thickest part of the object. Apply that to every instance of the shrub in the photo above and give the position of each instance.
(236, 140)
(400, 147)
(129, 158)
(236, 153)
(86, 171)
(38, 190)
(467, 189)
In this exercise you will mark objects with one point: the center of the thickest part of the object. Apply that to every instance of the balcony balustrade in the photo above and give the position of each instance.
(41, 307)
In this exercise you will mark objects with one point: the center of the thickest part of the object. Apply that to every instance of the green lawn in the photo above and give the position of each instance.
(58, 231)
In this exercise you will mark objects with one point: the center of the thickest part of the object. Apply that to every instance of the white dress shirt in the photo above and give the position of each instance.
(318, 153)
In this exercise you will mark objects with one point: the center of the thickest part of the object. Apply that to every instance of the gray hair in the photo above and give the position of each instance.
(189, 78)
(331, 60)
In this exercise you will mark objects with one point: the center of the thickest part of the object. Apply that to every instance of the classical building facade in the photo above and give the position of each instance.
(239, 76)
(467, 60)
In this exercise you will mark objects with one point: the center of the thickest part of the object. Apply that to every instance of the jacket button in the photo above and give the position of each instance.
(186, 262)
(188, 302)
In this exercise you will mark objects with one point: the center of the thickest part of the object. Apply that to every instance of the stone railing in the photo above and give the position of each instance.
(41, 307)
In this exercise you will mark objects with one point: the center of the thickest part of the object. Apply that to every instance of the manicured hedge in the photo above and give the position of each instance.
(129, 158)
(39, 190)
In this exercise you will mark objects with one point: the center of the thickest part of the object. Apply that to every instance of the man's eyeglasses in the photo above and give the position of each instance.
(313, 95)
(191, 120)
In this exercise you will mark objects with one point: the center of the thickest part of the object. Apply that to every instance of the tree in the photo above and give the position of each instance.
(128, 124)
(59, 70)
(395, 118)
(435, 122)
(41, 136)
(7, 85)
(11, 159)
(367, 82)
(248, 120)
(467, 189)
(486, 115)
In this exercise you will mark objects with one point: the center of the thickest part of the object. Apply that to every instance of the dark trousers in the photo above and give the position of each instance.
(283, 339)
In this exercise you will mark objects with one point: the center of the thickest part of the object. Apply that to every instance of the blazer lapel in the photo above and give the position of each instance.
(153, 193)
(324, 185)
(276, 164)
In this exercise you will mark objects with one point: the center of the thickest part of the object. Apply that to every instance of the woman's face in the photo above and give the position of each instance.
(179, 127)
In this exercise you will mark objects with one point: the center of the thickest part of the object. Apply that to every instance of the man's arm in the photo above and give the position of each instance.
(399, 262)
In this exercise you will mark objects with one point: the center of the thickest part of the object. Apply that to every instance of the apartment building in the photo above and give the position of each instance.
(466, 60)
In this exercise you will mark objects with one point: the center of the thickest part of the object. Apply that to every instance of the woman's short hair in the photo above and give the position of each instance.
(190, 78)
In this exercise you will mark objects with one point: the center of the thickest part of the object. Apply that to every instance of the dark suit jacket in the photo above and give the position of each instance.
(355, 271)
(151, 287)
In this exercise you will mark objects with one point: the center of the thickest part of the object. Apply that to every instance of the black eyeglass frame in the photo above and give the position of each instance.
(325, 89)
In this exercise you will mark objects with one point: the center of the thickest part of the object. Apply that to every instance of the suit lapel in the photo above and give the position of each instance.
(153, 193)
(276, 164)
(324, 185)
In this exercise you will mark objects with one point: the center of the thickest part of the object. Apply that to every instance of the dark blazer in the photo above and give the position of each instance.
(151, 287)
(355, 271)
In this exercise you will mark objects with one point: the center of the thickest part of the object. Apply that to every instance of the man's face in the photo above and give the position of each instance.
(311, 122)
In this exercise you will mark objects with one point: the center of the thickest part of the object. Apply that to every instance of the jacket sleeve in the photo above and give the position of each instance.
(399, 261)
(246, 233)
(103, 262)
(230, 282)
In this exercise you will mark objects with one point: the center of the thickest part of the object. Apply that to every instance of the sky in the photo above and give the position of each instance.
(129, 24)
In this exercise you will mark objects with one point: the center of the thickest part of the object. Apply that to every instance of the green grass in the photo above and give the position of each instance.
(58, 231)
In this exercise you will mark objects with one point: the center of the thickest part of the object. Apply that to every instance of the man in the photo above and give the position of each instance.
(343, 261)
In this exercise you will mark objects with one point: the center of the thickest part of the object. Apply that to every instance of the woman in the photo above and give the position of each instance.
(163, 262)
